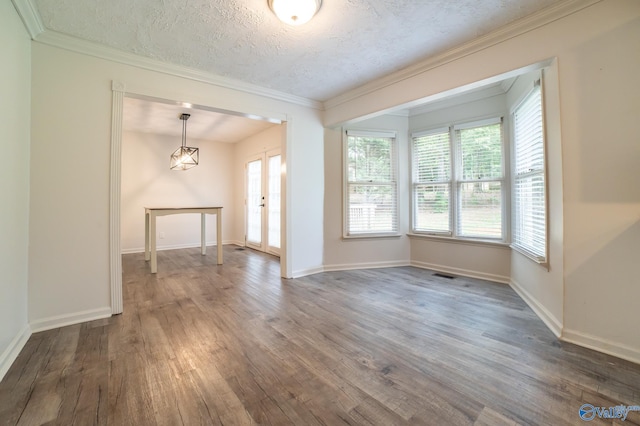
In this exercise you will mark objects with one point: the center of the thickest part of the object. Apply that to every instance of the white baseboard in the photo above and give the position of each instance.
(69, 319)
(601, 345)
(397, 263)
(365, 265)
(462, 272)
(543, 313)
(179, 246)
(11, 353)
(304, 272)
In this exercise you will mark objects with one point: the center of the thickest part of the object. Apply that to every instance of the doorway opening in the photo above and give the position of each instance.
(154, 114)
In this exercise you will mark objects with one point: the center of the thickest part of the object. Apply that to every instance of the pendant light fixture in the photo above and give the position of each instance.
(295, 12)
(184, 157)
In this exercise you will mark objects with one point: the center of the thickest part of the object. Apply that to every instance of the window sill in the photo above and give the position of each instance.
(540, 261)
(467, 241)
(370, 236)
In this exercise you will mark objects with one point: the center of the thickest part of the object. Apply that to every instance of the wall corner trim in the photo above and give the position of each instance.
(543, 313)
(11, 353)
(115, 259)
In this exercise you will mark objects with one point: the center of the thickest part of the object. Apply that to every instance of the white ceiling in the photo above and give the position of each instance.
(349, 43)
(141, 115)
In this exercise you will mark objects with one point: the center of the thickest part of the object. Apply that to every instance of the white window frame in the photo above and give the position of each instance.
(456, 180)
(346, 233)
(540, 258)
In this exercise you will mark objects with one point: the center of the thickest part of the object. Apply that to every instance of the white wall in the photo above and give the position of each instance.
(596, 50)
(341, 253)
(15, 101)
(70, 146)
(270, 139)
(148, 181)
(600, 97)
(463, 258)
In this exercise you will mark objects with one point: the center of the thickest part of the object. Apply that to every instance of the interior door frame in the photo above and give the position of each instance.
(119, 91)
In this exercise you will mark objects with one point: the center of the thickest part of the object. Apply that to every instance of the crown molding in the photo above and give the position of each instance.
(75, 44)
(30, 17)
(516, 28)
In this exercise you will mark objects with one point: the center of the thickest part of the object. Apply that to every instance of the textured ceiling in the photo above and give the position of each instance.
(347, 44)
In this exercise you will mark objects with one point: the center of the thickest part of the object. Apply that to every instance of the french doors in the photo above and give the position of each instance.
(263, 180)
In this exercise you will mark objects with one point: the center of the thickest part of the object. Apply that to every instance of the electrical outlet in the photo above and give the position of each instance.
(162, 235)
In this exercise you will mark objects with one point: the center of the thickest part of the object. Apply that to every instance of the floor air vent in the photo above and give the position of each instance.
(437, 274)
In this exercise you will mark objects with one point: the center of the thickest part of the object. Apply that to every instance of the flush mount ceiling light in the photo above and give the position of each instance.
(295, 12)
(184, 157)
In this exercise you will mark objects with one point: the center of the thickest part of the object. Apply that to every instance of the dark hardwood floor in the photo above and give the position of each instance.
(233, 344)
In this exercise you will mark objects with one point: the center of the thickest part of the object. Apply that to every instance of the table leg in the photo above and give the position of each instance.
(203, 234)
(146, 236)
(219, 235)
(152, 238)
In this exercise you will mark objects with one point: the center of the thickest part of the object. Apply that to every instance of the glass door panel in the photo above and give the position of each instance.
(273, 220)
(255, 204)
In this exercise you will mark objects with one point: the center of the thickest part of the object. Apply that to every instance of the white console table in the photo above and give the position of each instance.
(150, 214)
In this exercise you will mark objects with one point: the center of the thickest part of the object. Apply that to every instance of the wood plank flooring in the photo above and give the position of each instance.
(234, 344)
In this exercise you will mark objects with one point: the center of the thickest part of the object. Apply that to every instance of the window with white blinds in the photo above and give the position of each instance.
(371, 196)
(529, 199)
(458, 185)
(432, 182)
(480, 180)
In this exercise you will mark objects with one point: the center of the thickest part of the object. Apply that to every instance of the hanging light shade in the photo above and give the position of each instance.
(295, 12)
(184, 157)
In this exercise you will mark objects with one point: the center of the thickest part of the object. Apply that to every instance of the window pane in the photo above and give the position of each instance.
(529, 149)
(254, 202)
(372, 208)
(432, 158)
(371, 186)
(529, 222)
(480, 150)
(370, 159)
(480, 211)
(431, 208)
